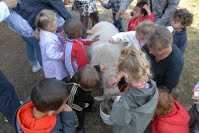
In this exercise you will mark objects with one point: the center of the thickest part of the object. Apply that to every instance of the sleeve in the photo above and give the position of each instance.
(168, 13)
(60, 8)
(52, 53)
(107, 5)
(192, 118)
(67, 58)
(4, 11)
(119, 115)
(87, 41)
(68, 121)
(173, 74)
(128, 37)
(124, 4)
(151, 17)
(128, 27)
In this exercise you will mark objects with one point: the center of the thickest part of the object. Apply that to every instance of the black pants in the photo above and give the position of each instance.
(81, 114)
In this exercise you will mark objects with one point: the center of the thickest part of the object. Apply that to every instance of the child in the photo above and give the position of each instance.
(115, 6)
(47, 111)
(51, 48)
(75, 53)
(194, 111)
(136, 107)
(84, 81)
(138, 37)
(141, 13)
(181, 19)
(86, 8)
(170, 116)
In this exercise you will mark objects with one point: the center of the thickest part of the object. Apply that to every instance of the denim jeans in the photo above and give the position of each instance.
(9, 101)
(21, 26)
(118, 23)
(33, 51)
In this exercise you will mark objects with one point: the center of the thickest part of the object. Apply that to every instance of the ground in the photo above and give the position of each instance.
(16, 68)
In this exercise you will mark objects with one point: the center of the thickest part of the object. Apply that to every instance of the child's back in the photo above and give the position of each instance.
(136, 107)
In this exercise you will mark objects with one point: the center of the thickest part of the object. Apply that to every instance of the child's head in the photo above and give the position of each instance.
(165, 103)
(139, 10)
(134, 64)
(49, 96)
(181, 19)
(143, 30)
(73, 28)
(46, 20)
(159, 40)
(88, 78)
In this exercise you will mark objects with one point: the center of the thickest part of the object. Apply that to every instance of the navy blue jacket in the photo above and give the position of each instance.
(29, 9)
(180, 39)
(167, 72)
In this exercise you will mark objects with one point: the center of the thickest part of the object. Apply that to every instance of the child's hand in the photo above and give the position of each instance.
(67, 108)
(111, 40)
(86, 105)
(103, 67)
(111, 82)
(100, 1)
(95, 39)
(90, 32)
(147, 8)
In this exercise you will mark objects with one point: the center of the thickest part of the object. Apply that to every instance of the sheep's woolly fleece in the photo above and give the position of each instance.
(103, 52)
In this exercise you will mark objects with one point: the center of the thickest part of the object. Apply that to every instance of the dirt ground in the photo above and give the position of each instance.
(16, 68)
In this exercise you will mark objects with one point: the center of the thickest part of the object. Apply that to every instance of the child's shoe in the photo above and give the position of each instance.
(36, 68)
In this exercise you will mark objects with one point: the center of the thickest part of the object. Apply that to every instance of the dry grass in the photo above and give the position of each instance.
(16, 68)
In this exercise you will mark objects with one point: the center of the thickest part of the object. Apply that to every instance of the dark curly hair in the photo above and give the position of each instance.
(183, 16)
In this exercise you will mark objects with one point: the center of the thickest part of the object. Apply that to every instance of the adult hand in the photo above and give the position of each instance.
(120, 13)
(10, 3)
(66, 2)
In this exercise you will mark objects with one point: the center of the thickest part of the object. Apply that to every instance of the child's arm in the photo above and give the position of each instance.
(106, 5)
(150, 14)
(90, 41)
(68, 117)
(52, 53)
(125, 37)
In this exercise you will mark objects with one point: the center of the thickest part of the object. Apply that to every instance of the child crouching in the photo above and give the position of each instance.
(47, 110)
(136, 107)
(84, 81)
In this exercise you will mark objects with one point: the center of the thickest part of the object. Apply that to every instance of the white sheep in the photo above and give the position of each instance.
(103, 52)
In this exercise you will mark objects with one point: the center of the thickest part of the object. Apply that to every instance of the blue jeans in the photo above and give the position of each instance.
(33, 51)
(118, 23)
(21, 26)
(9, 101)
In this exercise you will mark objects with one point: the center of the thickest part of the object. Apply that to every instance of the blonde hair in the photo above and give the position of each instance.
(145, 28)
(44, 20)
(134, 61)
(88, 77)
(165, 103)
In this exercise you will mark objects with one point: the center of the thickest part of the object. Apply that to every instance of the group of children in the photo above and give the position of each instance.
(64, 58)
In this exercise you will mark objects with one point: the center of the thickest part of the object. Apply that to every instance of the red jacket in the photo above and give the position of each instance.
(75, 55)
(133, 23)
(175, 122)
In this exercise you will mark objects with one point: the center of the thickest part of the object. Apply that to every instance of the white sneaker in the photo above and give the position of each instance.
(36, 68)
